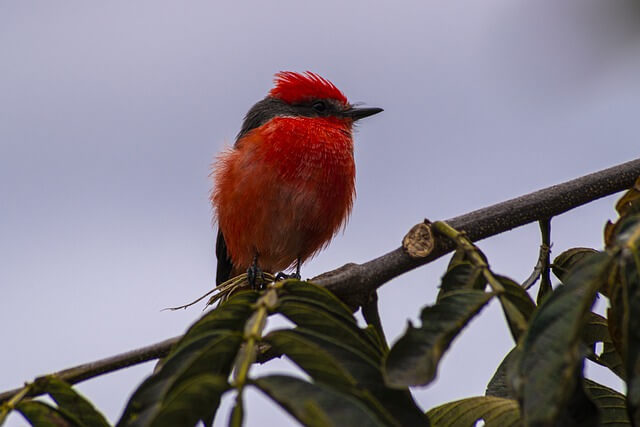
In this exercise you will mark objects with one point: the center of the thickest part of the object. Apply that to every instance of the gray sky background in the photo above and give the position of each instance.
(111, 113)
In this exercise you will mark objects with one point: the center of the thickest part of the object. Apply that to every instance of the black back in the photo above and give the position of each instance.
(225, 266)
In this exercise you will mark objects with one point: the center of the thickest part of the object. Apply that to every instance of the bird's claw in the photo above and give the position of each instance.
(255, 277)
(284, 276)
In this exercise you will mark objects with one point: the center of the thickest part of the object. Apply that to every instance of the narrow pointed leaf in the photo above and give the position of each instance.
(414, 358)
(517, 306)
(316, 404)
(546, 375)
(41, 414)
(356, 351)
(494, 411)
(311, 357)
(499, 385)
(183, 406)
(70, 401)
(579, 410)
(597, 331)
(462, 275)
(564, 262)
(318, 319)
(306, 295)
(205, 353)
(630, 275)
(611, 403)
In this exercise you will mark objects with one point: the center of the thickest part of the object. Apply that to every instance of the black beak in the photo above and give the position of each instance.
(360, 113)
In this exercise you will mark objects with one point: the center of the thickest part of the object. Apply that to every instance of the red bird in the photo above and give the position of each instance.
(287, 185)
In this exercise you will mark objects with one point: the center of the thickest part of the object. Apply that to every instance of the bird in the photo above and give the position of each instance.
(287, 186)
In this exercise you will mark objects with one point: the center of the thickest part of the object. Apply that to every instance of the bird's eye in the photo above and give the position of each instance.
(319, 106)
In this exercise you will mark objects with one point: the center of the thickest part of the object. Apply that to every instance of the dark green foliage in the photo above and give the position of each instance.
(494, 411)
(199, 364)
(317, 404)
(551, 347)
(414, 358)
(72, 409)
(353, 379)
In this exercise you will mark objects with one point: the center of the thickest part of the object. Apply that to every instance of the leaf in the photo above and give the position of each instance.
(183, 404)
(314, 359)
(546, 374)
(355, 351)
(317, 358)
(579, 410)
(596, 331)
(313, 310)
(463, 275)
(198, 364)
(317, 404)
(498, 385)
(495, 411)
(517, 306)
(630, 275)
(41, 414)
(629, 203)
(564, 262)
(309, 293)
(611, 403)
(414, 358)
(70, 401)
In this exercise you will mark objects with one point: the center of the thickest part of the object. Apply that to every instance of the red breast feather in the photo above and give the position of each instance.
(285, 190)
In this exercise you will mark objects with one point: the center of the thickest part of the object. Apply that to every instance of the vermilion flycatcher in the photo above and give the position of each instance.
(287, 185)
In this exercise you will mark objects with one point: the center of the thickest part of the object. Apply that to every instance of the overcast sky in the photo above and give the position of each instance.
(111, 114)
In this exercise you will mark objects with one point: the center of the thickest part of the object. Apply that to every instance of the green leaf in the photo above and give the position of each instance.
(597, 331)
(414, 358)
(564, 262)
(298, 297)
(517, 306)
(198, 364)
(183, 405)
(579, 409)
(70, 401)
(499, 385)
(630, 275)
(42, 415)
(353, 349)
(629, 203)
(317, 404)
(495, 411)
(314, 359)
(318, 319)
(462, 275)
(611, 403)
(546, 374)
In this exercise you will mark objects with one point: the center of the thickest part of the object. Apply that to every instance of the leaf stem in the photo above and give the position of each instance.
(247, 354)
(464, 244)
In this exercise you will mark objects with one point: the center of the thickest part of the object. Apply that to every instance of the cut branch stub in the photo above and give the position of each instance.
(418, 242)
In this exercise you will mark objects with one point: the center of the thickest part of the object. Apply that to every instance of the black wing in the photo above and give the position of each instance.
(224, 262)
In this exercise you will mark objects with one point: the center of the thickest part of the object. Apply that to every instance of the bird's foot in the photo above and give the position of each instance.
(284, 276)
(255, 277)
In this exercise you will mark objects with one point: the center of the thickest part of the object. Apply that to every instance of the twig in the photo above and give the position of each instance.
(545, 273)
(543, 256)
(353, 283)
(110, 364)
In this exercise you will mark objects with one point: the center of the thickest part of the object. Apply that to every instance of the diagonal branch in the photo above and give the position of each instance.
(353, 283)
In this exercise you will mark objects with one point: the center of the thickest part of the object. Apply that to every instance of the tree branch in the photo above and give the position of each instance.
(353, 283)
(109, 364)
